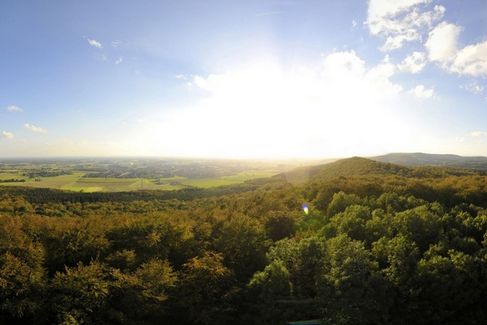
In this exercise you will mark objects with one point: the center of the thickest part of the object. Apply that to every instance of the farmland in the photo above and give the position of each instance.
(125, 175)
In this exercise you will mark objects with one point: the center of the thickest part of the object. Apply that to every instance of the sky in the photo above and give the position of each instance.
(242, 79)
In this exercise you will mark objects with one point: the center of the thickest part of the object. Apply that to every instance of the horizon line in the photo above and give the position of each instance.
(226, 158)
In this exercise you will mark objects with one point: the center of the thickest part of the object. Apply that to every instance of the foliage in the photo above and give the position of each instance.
(385, 245)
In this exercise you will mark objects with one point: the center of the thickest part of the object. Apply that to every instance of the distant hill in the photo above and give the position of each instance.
(358, 166)
(355, 166)
(426, 159)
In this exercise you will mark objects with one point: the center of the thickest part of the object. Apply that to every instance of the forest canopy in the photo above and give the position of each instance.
(381, 244)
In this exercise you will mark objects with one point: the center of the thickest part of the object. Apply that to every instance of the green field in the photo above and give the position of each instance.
(226, 180)
(76, 182)
(10, 175)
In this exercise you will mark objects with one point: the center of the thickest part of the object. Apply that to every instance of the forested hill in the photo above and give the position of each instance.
(425, 159)
(358, 166)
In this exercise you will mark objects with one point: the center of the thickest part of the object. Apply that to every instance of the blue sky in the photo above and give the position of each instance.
(252, 79)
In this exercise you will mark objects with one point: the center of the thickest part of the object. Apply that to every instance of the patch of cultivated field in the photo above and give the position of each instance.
(109, 184)
(11, 175)
(76, 182)
(50, 182)
(226, 180)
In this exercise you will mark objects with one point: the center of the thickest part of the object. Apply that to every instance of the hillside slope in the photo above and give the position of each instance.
(355, 166)
(358, 166)
(425, 159)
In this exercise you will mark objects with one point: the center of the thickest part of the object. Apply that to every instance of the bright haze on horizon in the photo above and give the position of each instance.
(242, 79)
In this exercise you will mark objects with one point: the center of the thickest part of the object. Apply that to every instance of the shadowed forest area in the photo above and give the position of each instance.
(381, 244)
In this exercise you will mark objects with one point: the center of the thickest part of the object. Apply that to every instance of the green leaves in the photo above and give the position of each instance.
(368, 253)
(205, 289)
(81, 292)
(352, 290)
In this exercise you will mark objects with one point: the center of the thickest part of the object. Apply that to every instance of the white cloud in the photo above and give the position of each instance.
(119, 60)
(14, 109)
(442, 46)
(471, 60)
(478, 134)
(378, 9)
(347, 62)
(442, 43)
(413, 63)
(354, 23)
(7, 135)
(380, 76)
(401, 21)
(396, 42)
(34, 128)
(420, 91)
(94, 43)
(473, 87)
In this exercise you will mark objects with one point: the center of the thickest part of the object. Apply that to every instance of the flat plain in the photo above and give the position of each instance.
(123, 175)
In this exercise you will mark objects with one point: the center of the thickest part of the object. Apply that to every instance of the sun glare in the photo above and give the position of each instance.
(265, 110)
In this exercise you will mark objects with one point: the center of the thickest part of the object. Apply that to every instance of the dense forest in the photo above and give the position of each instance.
(380, 244)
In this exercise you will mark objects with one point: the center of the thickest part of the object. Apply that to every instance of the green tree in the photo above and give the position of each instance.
(273, 282)
(81, 293)
(243, 244)
(22, 276)
(341, 201)
(352, 290)
(280, 226)
(204, 290)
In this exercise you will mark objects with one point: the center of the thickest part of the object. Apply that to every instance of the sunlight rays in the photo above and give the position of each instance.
(268, 111)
